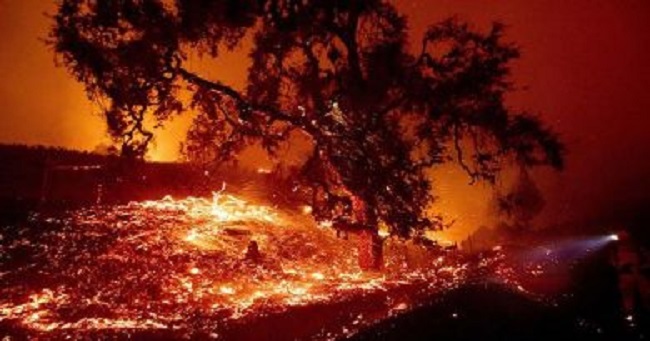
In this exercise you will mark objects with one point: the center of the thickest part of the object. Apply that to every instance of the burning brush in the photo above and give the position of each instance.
(184, 265)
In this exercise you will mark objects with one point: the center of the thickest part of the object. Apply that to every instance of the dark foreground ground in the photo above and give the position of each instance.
(494, 312)
(581, 301)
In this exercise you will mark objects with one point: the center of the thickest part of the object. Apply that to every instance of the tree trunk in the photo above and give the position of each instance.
(370, 247)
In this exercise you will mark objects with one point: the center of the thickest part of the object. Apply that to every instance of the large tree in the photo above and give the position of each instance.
(378, 114)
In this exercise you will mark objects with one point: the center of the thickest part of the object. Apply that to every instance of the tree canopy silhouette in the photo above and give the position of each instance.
(377, 115)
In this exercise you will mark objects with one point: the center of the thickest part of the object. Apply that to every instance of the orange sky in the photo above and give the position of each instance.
(584, 66)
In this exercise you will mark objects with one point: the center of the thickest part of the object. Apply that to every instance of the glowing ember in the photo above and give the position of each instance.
(160, 264)
(307, 209)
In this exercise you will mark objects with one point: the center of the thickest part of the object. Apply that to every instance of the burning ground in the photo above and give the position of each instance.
(180, 268)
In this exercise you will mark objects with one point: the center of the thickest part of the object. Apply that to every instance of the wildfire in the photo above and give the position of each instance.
(160, 264)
